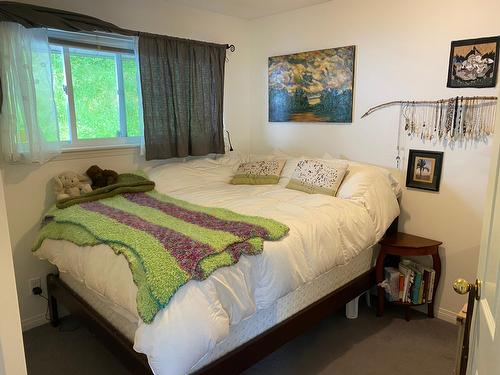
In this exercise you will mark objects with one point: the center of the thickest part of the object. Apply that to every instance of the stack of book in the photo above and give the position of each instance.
(410, 283)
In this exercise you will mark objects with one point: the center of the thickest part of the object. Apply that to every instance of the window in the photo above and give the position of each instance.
(96, 89)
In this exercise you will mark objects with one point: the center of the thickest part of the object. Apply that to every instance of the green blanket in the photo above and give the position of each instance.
(127, 183)
(166, 241)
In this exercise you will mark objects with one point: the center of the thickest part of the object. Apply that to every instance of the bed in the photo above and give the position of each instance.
(243, 312)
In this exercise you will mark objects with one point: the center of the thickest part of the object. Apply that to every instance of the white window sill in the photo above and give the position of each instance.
(97, 151)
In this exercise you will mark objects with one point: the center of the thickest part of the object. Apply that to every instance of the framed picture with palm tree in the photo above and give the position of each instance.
(424, 170)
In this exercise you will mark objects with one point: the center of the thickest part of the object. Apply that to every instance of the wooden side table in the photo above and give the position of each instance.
(402, 244)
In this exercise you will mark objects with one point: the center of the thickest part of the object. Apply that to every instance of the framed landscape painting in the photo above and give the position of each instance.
(424, 170)
(473, 63)
(315, 86)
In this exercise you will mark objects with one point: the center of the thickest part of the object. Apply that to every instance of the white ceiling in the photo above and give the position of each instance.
(248, 9)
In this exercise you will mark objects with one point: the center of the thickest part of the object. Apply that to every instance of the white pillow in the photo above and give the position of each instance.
(372, 187)
(288, 170)
(359, 167)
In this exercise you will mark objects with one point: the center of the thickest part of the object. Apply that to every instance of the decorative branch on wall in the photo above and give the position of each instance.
(454, 119)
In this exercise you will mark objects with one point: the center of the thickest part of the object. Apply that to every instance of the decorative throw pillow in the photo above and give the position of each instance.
(317, 177)
(258, 172)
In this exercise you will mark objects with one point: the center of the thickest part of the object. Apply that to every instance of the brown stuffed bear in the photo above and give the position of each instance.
(101, 178)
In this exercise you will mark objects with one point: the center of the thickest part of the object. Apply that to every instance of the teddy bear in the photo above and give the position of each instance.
(101, 178)
(71, 184)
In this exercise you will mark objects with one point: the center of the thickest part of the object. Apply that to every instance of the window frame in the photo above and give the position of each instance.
(117, 46)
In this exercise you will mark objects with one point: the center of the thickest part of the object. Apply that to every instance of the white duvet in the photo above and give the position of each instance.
(324, 232)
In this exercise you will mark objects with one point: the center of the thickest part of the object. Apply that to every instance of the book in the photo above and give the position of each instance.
(421, 290)
(426, 285)
(429, 287)
(405, 271)
(401, 286)
(422, 270)
(409, 288)
(417, 282)
(430, 291)
(416, 286)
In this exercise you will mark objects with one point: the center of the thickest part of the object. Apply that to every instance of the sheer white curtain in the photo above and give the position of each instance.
(28, 120)
(139, 93)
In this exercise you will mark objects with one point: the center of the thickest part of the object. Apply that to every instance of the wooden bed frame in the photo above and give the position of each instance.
(233, 362)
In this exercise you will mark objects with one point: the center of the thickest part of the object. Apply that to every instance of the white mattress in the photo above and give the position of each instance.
(289, 305)
(325, 232)
(248, 328)
(119, 318)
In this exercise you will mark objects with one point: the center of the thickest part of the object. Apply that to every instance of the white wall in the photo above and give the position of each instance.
(402, 51)
(29, 193)
(11, 340)
(28, 189)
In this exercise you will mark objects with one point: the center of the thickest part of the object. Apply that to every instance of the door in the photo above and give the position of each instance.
(484, 319)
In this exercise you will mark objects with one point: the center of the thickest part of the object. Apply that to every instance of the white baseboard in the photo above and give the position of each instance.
(442, 314)
(38, 320)
(33, 322)
(447, 315)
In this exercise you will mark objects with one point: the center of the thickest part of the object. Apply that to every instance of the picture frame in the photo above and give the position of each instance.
(473, 63)
(424, 169)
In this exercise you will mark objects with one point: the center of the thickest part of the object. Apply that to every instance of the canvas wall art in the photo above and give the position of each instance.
(473, 63)
(315, 86)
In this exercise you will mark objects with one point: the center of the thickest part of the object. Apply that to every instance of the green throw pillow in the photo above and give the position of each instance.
(259, 172)
(317, 177)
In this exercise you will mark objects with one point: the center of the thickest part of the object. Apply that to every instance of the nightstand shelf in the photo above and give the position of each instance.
(403, 244)
(399, 303)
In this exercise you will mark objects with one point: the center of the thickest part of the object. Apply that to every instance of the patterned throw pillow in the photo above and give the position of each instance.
(259, 172)
(317, 177)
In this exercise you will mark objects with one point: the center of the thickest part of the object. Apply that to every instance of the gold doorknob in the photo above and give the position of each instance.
(462, 286)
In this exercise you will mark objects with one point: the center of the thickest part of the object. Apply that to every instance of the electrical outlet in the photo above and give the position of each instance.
(36, 282)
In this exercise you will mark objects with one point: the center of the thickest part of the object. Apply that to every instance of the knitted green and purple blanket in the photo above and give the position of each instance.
(166, 241)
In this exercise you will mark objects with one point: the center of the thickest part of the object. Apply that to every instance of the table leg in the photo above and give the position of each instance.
(379, 277)
(436, 264)
(407, 313)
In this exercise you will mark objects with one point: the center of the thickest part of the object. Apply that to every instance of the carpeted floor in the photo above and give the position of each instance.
(367, 345)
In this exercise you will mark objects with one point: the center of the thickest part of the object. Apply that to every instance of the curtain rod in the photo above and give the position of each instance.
(387, 104)
(34, 16)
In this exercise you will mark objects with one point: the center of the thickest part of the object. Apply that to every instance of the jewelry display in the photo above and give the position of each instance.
(448, 120)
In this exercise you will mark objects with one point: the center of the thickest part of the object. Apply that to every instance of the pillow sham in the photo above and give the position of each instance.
(317, 177)
(258, 172)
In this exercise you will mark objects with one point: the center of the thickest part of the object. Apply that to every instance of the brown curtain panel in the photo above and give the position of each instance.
(34, 16)
(182, 92)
